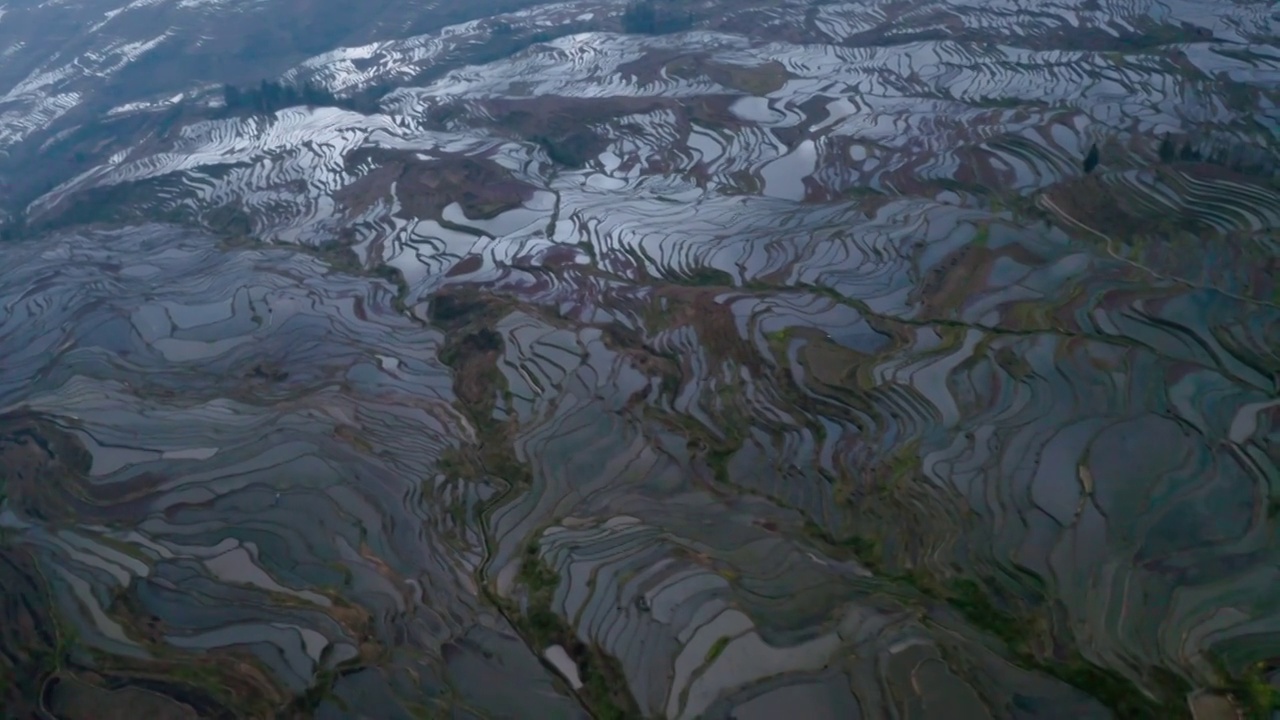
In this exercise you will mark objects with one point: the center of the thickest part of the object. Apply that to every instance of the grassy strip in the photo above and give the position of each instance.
(604, 687)
(973, 600)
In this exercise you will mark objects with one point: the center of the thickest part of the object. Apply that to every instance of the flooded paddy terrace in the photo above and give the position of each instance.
(828, 383)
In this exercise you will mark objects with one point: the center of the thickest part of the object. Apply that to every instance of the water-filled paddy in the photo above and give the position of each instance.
(811, 374)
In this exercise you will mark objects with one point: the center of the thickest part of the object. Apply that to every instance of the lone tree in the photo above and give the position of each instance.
(1167, 151)
(231, 94)
(1091, 160)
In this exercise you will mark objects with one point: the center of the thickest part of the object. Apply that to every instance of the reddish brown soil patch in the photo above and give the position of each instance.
(474, 360)
(466, 266)
(648, 68)
(425, 187)
(947, 287)
(564, 126)
(714, 322)
(44, 469)
(360, 195)
(74, 699)
(831, 365)
(1098, 205)
(750, 79)
(630, 342)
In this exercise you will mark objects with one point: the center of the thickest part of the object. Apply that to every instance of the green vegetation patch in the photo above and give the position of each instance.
(572, 149)
(536, 576)
(973, 600)
(477, 383)
(708, 277)
(1020, 626)
(753, 80)
(867, 550)
(605, 691)
(1255, 697)
(717, 648)
(983, 238)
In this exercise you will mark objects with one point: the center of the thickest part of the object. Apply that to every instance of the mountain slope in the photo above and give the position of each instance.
(793, 362)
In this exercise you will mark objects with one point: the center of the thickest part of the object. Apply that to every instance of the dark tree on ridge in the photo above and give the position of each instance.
(1091, 160)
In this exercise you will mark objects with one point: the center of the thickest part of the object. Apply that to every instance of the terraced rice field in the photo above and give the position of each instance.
(791, 365)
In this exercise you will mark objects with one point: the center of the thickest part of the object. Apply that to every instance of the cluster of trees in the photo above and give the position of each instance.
(1091, 160)
(646, 17)
(268, 97)
(1240, 157)
(1170, 152)
(1225, 151)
